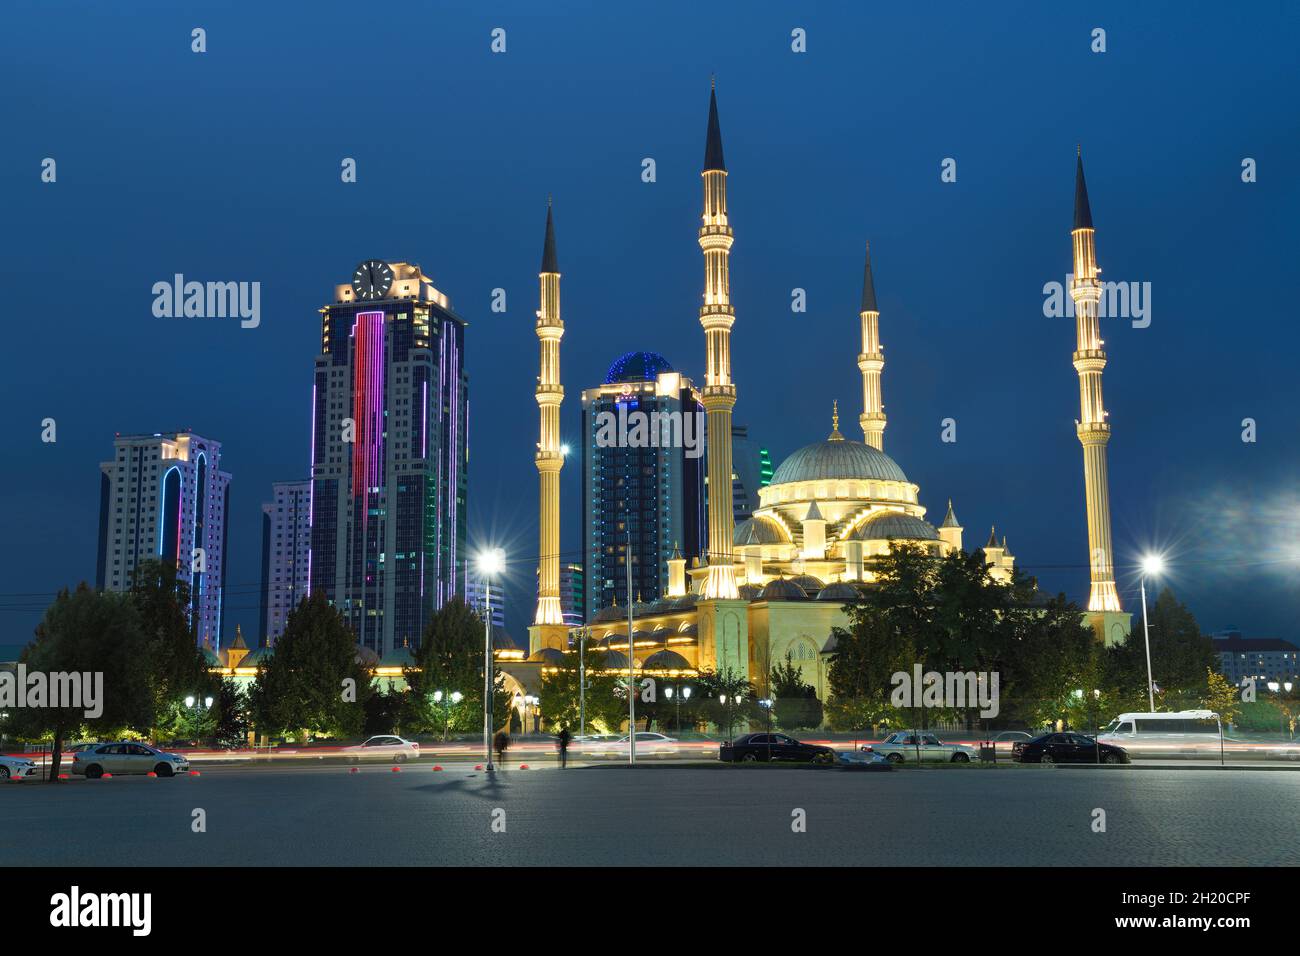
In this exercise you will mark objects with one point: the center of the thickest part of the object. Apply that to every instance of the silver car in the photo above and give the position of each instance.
(127, 757)
(17, 768)
(907, 746)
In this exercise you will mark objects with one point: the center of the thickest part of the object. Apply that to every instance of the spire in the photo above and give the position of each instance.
(1082, 211)
(1005, 550)
(713, 143)
(950, 519)
(549, 261)
(238, 643)
(868, 287)
(814, 513)
(993, 540)
(835, 422)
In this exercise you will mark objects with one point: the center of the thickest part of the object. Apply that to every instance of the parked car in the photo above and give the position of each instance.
(648, 744)
(385, 747)
(17, 767)
(127, 757)
(1067, 747)
(748, 748)
(863, 759)
(906, 746)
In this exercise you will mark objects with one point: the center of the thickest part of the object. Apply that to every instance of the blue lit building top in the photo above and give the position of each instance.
(637, 367)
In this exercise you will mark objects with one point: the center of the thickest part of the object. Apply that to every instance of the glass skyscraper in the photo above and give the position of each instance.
(390, 453)
(655, 492)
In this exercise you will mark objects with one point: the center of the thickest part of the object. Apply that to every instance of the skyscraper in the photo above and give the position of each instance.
(1092, 428)
(165, 496)
(286, 546)
(746, 471)
(573, 595)
(654, 491)
(389, 454)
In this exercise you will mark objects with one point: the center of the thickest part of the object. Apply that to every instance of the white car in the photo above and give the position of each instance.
(17, 768)
(648, 744)
(126, 757)
(906, 746)
(386, 747)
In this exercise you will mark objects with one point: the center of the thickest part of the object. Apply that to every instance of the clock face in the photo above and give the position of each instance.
(372, 279)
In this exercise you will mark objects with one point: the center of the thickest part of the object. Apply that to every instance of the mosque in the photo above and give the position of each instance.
(778, 583)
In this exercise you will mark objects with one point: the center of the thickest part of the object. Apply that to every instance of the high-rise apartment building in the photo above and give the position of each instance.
(286, 546)
(164, 496)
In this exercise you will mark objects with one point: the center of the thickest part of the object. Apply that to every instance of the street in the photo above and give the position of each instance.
(658, 815)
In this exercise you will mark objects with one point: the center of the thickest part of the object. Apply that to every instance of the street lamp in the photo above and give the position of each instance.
(766, 703)
(1152, 565)
(490, 562)
(1277, 688)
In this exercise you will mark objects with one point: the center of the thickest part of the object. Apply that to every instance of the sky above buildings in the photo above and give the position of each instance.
(225, 166)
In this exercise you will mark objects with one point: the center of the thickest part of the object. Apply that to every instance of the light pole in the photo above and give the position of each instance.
(489, 563)
(766, 703)
(631, 677)
(1152, 564)
(582, 681)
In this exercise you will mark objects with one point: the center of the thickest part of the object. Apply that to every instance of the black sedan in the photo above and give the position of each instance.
(749, 748)
(1067, 747)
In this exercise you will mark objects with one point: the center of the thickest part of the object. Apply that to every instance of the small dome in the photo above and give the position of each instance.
(501, 641)
(549, 656)
(685, 603)
(662, 632)
(611, 613)
(366, 657)
(839, 591)
(666, 661)
(838, 458)
(398, 657)
(894, 524)
(783, 589)
(759, 530)
(615, 660)
(211, 658)
(687, 629)
(660, 606)
(750, 592)
(637, 367)
(808, 582)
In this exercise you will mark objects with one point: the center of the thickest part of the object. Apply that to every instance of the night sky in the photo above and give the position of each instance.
(226, 166)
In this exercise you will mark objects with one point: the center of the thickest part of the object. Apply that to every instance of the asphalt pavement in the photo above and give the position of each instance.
(653, 815)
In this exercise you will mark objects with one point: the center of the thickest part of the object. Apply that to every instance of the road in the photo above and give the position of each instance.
(326, 815)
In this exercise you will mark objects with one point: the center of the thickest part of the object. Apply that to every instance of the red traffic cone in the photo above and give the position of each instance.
(194, 773)
(397, 770)
(437, 767)
(352, 770)
(478, 766)
(151, 774)
(523, 766)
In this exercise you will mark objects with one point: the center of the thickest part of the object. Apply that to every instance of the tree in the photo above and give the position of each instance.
(561, 701)
(449, 661)
(230, 708)
(726, 698)
(1221, 697)
(99, 636)
(175, 666)
(795, 704)
(313, 682)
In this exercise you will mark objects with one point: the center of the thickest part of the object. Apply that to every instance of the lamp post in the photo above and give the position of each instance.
(1152, 564)
(631, 677)
(766, 703)
(582, 681)
(489, 563)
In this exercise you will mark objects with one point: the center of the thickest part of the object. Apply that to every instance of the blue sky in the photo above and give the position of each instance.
(225, 165)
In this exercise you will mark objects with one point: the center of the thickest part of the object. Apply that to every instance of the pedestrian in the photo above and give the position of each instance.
(562, 743)
(502, 741)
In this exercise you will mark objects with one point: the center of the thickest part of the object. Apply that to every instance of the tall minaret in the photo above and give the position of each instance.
(550, 458)
(871, 361)
(1092, 427)
(717, 316)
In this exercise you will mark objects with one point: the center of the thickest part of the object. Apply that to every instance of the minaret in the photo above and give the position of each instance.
(717, 316)
(871, 361)
(1092, 428)
(549, 458)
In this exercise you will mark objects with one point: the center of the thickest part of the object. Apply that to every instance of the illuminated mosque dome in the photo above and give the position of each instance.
(838, 458)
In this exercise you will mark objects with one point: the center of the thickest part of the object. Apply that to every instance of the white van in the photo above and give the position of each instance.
(1180, 733)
